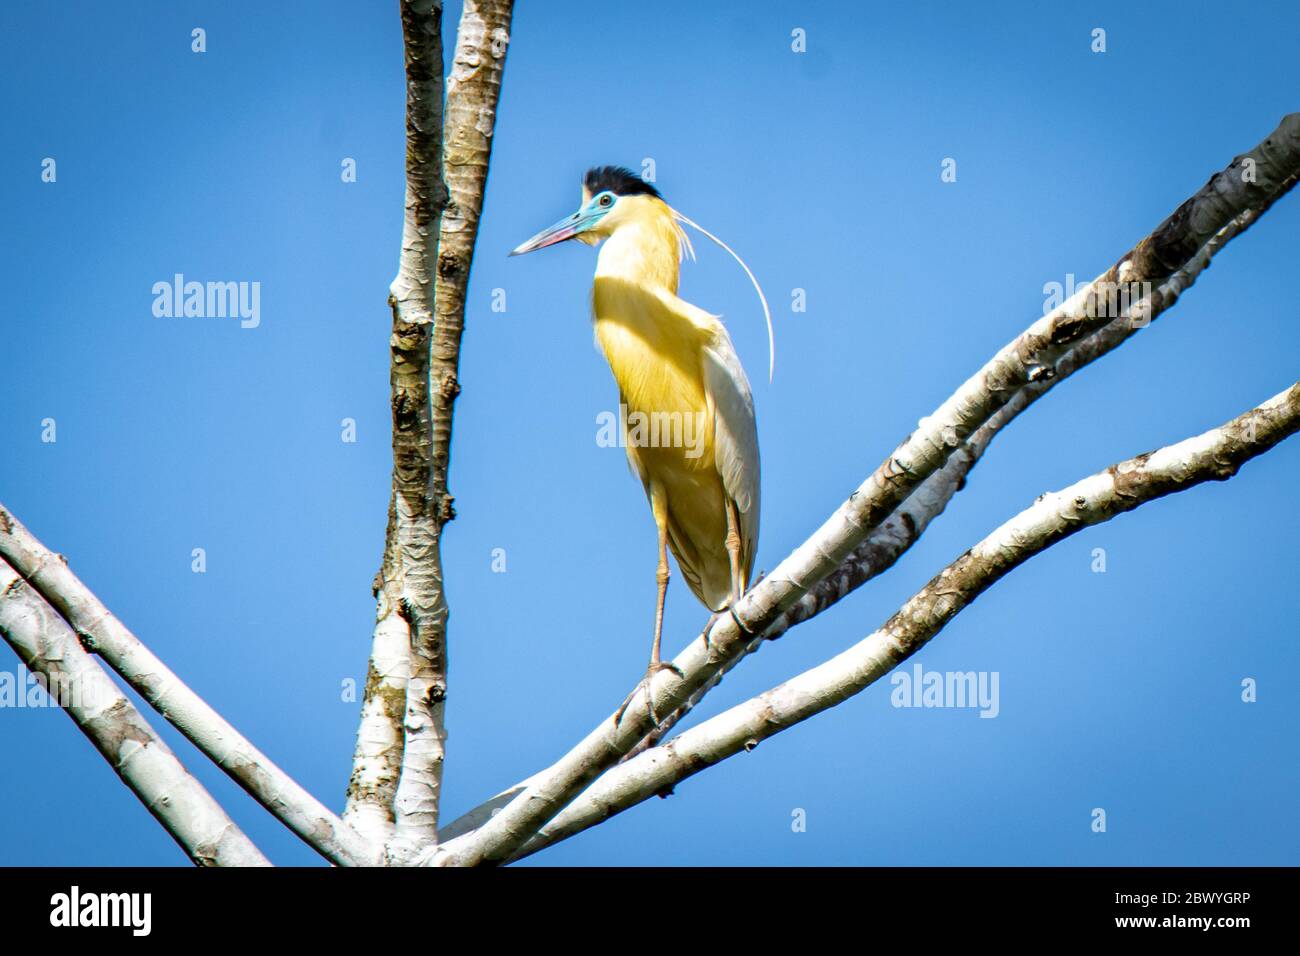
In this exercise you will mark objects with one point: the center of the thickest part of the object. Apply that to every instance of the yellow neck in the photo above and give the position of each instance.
(645, 247)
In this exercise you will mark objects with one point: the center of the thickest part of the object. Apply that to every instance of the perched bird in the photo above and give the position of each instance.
(675, 365)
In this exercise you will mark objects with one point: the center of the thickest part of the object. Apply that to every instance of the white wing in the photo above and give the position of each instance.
(735, 436)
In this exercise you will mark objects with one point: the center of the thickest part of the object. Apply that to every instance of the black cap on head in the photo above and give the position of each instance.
(619, 180)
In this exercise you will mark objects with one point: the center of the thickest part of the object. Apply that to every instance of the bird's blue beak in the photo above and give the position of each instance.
(566, 228)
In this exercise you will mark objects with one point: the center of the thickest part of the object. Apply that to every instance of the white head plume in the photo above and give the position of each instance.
(767, 314)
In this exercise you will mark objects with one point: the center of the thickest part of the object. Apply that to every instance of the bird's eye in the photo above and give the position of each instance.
(606, 199)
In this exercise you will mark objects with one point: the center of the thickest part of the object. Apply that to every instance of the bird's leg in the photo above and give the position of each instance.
(733, 553)
(738, 583)
(738, 587)
(659, 507)
(661, 579)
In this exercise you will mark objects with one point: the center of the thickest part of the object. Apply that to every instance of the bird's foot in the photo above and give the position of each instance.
(740, 625)
(658, 666)
(645, 683)
(730, 610)
(708, 628)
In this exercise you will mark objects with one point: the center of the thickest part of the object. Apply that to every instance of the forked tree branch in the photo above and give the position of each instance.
(103, 634)
(447, 165)
(1213, 456)
(48, 647)
(473, 89)
(393, 794)
(1249, 185)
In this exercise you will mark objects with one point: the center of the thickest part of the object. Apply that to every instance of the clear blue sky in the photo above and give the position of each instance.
(1118, 690)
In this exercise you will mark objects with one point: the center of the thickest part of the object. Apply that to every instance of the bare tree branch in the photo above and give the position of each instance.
(887, 543)
(48, 647)
(473, 89)
(393, 789)
(103, 634)
(377, 760)
(1249, 185)
(428, 299)
(1215, 455)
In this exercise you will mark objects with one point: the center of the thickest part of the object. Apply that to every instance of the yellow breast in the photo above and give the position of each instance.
(655, 357)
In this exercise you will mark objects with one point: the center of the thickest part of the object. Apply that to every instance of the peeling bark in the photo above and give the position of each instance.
(398, 770)
(411, 606)
(473, 89)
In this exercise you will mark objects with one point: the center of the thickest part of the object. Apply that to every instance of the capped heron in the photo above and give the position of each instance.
(674, 365)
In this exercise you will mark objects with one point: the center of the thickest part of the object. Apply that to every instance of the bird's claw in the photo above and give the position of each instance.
(708, 628)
